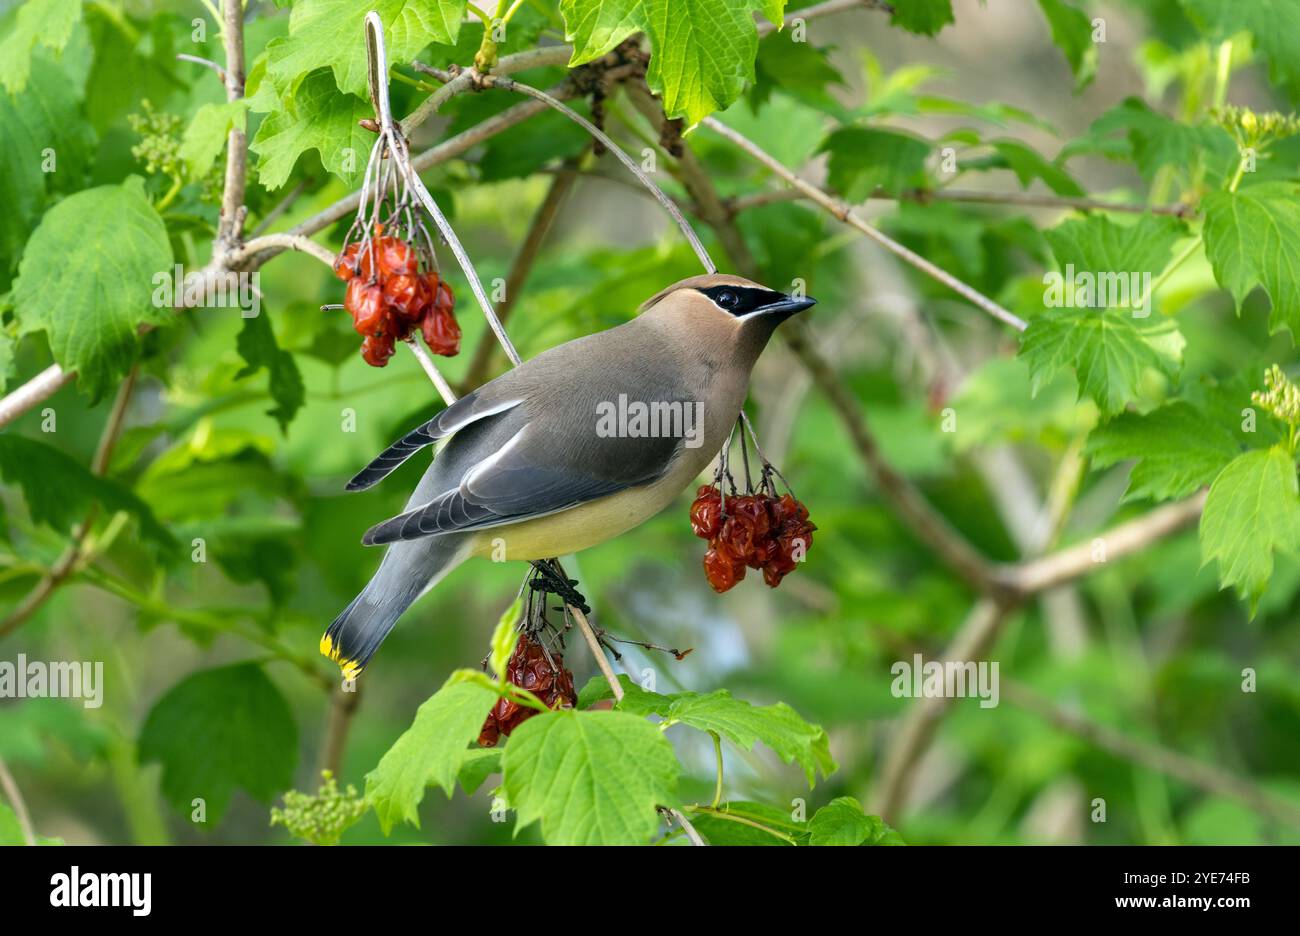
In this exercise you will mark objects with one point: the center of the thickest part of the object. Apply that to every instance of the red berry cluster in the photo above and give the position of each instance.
(761, 531)
(530, 669)
(389, 297)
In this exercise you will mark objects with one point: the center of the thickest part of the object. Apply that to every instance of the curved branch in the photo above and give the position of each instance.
(15, 797)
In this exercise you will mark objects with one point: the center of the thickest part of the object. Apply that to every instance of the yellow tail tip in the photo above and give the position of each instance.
(351, 668)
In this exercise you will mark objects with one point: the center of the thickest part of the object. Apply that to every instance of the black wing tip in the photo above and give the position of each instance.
(361, 482)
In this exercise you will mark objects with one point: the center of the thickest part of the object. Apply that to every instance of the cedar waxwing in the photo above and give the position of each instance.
(535, 464)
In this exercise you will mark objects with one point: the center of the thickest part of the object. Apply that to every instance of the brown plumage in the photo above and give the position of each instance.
(526, 472)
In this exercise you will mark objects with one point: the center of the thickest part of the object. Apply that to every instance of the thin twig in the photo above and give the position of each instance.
(509, 84)
(686, 826)
(520, 267)
(250, 249)
(283, 205)
(1200, 774)
(206, 63)
(15, 797)
(343, 706)
(1131, 536)
(925, 196)
(66, 564)
(37, 390)
(912, 737)
(229, 229)
(843, 212)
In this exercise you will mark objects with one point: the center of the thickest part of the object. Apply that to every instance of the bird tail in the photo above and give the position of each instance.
(408, 570)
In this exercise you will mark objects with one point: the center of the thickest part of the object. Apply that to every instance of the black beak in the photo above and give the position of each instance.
(788, 306)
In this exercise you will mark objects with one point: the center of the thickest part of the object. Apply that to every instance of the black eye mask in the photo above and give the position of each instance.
(741, 300)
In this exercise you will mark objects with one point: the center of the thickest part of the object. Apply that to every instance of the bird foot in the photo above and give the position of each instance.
(549, 580)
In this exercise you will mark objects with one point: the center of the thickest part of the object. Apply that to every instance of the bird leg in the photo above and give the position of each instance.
(549, 579)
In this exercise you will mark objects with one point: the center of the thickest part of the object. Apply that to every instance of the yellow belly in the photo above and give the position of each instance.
(587, 525)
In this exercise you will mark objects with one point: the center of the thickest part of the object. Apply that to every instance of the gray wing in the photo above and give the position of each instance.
(538, 471)
(467, 409)
(506, 464)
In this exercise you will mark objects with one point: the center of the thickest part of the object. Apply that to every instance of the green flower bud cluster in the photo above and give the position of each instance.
(1282, 397)
(1256, 130)
(160, 141)
(321, 819)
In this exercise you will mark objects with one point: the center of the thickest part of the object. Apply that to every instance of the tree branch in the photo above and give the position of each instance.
(1193, 772)
(15, 797)
(843, 212)
(230, 226)
(913, 735)
(963, 196)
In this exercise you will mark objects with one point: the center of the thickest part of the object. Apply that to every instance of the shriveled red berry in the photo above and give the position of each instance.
(405, 293)
(441, 333)
(530, 669)
(365, 301)
(394, 257)
(706, 512)
(345, 264)
(721, 570)
(377, 349)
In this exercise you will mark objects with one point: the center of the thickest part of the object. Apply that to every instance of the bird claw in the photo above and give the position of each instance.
(550, 581)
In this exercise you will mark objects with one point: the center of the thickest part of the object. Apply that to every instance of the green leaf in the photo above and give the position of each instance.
(863, 159)
(40, 129)
(1098, 245)
(798, 69)
(205, 137)
(924, 17)
(1155, 141)
(1274, 25)
(330, 33)
(258, 348)
(1072, 33)
(745, 823)
(1110, 351)
(842, 822)
(45, 22)
(590, 778)
(479, 764)
(777, 726)
(219, 730)
(59, 491)
(86, 280)
(1029, 165)
(703, 49)
(1179, 449)
(1252, 512)
(429, 753)
(1252, 238)
(315, 115)
(505, 637)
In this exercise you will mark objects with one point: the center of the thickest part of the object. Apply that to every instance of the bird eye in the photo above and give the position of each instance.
(728, 299)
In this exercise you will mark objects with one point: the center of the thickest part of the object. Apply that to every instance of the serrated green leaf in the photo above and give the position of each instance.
(59, 490)
(1252, 238)
(1072, 33)
(1098, 245)
(778, 727)
(329, 33)
(205, 137)
(47, 23)
(45, 144)
(314, 115)
(1274, 25)
(703, 50)
(478, 765)
(1252, 512)
(1179, 449)
(219, 730)
(258, 347)
(746, 823)
(87, 280)
(590, 778)
(429, 753)
(1108, 350)
(1029, 165)
(1156, 141)
(924, 17)
(842, 822)
(863, 159)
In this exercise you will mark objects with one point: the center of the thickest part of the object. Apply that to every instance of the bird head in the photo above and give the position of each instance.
(721, 297)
